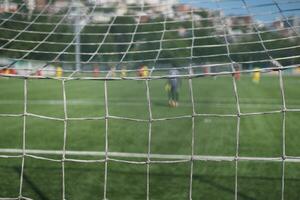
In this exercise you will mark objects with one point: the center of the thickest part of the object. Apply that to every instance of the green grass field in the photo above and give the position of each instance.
(260, 136)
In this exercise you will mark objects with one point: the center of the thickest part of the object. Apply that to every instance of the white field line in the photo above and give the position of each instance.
(222, 102)
(152, 156)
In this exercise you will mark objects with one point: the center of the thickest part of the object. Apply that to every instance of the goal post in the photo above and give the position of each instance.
(141, 42)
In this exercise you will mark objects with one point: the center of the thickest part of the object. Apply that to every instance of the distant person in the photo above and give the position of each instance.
(172, 88)
(13, 71)
(143, 71)
(96, 71)
(298, 69)
(191, 71)
(39, 72)
(256, 76)
(123, 71)
(237, 75)
(59, 72)
(237, 72)
(6, 71)
(111, 72)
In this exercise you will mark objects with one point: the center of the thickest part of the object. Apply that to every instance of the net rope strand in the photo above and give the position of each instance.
(190, 82)
(32, 50)
(147, 51)
(20, 50)
(27, 27)
(72, 41)
(106, 141)
(149, 139)
(25, 87)
(235, 90)
(133, 35)
(12, 15)
(113, 156)
(65, 139)
(150, 158)
(276, 63)
(281, 84)
(170, 30)
(102, 41)
(160, 46)
(170, 49)
(285, 18)
(284, 108)
(149, 133)
(177, 58)
(159, 41)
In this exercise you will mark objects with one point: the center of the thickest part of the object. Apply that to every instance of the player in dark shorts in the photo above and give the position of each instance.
(172, 87)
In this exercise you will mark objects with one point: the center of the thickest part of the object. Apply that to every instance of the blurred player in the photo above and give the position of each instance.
(298, 69)
(96, 71)
(59, 72)
(123, 71)
(172, 88)
(256, 76)
(6, 71)
(111, 72)
(144, 71)
(237, 75)
(39, 72)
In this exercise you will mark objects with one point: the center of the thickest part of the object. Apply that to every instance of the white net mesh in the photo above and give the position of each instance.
(143, 40)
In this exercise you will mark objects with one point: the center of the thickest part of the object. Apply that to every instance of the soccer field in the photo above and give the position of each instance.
(215, 135)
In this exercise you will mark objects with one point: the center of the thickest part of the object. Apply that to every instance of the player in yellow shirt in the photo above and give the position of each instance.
(59, 72)
(145, 71)
(256, 76)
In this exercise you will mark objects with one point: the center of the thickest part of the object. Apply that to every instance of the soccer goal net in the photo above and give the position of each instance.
(149, 99)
